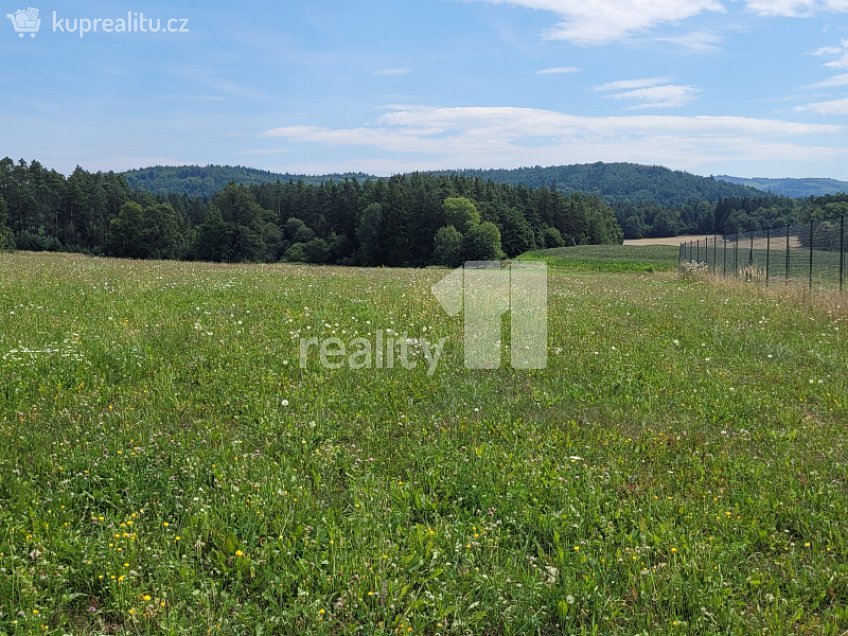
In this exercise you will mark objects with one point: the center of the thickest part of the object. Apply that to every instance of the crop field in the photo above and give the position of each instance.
(168, 465)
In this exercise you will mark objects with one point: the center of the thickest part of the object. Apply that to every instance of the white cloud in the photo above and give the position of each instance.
(594, 22)
(827, 50)
(558, 70)
(393, 72)
(669, 96)
(626, 85)
(839, 52)
(832, 82)
(423, 137)
(796, 8)
(832, 107)
(696, 41)
(650, 92)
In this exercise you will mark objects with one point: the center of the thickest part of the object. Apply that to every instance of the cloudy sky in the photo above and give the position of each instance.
(742, 87)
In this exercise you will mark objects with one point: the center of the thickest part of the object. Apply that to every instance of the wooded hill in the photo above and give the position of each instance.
(647, 200)
(409, 220)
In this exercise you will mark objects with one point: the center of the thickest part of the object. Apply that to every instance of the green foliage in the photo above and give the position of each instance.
(618, 183)
(207, 181)
(7, 239)
(517, 235)
(796, 188)
(381, 222)
(551, 238)
(212, 242)
(447, 247)
(370, 234)
(461, 213)
(296, 231)
(482, 242)
(155, 231)
(315, 251)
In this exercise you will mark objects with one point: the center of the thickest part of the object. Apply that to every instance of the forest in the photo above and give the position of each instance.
(410, 220)
(649, 201)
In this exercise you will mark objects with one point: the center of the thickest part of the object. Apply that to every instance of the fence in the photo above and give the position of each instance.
(813, 253)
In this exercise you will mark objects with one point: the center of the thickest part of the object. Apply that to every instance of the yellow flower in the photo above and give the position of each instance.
(239, 553)
(674, 550)
(146, 598)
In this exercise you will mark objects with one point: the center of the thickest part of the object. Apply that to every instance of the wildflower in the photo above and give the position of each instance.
(239, 553)
(674, 550)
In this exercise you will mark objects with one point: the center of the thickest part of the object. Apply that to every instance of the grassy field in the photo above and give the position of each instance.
(166, 466)
(610, 258)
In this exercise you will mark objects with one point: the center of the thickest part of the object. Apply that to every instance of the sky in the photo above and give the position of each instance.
(751, 88)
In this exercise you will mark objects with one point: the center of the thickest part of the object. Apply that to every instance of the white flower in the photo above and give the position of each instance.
(284, 402)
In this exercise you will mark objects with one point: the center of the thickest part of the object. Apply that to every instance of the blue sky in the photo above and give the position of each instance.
(743, 87)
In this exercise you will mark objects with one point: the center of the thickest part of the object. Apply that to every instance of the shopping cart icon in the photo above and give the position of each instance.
(25, 21)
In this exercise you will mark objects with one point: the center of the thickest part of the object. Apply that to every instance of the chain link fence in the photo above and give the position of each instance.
(813, 253)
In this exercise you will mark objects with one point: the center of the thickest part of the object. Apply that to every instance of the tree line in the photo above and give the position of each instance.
(410, 220)
(649, 201)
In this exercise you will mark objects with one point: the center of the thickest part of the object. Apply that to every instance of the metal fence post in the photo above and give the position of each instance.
(715, 253)
(751, 253)
(842, 253)
(724, 238)
(788, 263)
(811, 253)
(736, 256)
(768, 254)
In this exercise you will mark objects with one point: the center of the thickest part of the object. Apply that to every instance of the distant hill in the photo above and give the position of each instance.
(617, 183)
(795, 188)
(620, 183)
(206, 181)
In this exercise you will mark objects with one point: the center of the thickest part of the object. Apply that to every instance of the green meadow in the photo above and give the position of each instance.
(168, 467)
(609, 258)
